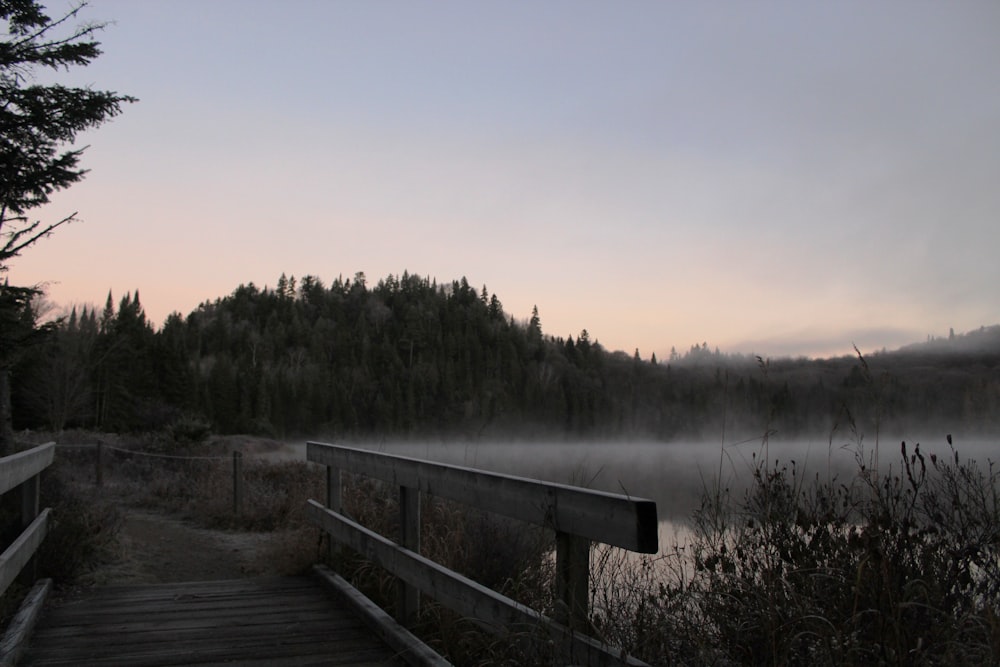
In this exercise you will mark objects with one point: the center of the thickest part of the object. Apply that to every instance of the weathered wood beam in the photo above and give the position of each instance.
(13, 560)
(407, 646)
(572, 581)
(493, 611)
(18, 468)
(237, 483)
(333, 489)
(598, 516)
(408, 597)
(19, 630)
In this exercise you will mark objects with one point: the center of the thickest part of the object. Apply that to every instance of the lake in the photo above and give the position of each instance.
(674, 475)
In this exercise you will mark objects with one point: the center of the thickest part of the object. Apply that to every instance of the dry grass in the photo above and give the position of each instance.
(896, 568)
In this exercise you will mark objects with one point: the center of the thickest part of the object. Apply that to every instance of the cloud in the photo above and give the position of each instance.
(813, 342)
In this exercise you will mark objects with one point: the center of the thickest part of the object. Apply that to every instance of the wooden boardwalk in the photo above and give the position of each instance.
(272, 621)
(300, 620)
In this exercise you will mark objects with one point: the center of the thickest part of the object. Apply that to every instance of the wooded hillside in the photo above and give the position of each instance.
(410, 358)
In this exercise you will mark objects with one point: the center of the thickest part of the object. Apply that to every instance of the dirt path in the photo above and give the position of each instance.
(171, 550)
(162, 549)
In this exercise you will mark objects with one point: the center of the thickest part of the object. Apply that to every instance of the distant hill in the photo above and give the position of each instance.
(409, 357)
(982, 341)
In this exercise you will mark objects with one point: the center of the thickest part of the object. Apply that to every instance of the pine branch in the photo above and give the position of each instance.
(15, 244)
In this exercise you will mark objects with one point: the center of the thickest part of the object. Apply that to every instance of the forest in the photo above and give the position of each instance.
(412, 358)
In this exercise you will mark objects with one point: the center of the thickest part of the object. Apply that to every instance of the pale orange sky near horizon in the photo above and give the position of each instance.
(780, 178)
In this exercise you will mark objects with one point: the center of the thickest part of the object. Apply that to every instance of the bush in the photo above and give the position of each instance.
(84, 528)
(189, 429)
(900, 567)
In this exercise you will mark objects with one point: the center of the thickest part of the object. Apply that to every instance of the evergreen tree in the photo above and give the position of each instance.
(58, 392)
(18, 332)
(535, 323)
(412, 358)
(37, 122)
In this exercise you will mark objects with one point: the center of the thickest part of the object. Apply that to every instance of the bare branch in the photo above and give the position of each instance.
(72, 13)
(16, 243)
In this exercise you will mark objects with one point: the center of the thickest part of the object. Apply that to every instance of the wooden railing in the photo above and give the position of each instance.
(23, 470)
(578, 517)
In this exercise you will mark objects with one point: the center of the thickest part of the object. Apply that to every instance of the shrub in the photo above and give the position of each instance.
(893, 568)
(84, 528)
(189, 429)
(896, 567)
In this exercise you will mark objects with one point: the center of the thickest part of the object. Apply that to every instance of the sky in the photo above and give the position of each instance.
(775, 178)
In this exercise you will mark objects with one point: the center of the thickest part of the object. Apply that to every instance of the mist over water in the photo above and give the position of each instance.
(676, 475)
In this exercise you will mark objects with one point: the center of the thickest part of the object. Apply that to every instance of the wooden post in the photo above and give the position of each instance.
(29, 500)
(29, 510)
(99, 465)
(408, 602)
(334, 501)
(237, 483)
(572, 580)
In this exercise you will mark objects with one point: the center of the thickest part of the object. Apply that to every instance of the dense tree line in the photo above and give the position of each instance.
(410, 358)
(39, 122)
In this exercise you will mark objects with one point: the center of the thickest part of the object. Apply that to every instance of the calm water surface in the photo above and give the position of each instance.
(674, 475)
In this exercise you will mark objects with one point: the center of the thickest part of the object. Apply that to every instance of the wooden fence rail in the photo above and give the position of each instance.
(578, 517)
(101, 456)
(23, 470)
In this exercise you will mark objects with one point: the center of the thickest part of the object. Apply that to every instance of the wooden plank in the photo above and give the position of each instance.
(237, 483)
(334, 652)
(287, 621)
(236, 587)
(572, 581)
(333, 487)
(131, 629)
(167, 612)
(407, 646)
(493, 611)
(17, 468)
(207, 635)
(610, 518)
(30, 500)
(19, 629)
(22, 549)
(407, 596)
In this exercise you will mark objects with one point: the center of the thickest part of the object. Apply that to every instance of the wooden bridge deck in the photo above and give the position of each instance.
(272, 621)
(299, 621)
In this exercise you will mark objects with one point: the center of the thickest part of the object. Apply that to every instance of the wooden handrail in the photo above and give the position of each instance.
(22, 470)
(578, 517)
(609, 518)
(17, 555)
(18, 468)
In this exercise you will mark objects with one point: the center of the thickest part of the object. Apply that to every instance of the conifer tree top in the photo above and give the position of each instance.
(39, 123)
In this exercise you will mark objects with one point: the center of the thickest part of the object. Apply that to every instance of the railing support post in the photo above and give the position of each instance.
(29, 510)
(572, 580)
(29, 500)
(334, 501)
(237, 483)
(408, 597)
(99, 465)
